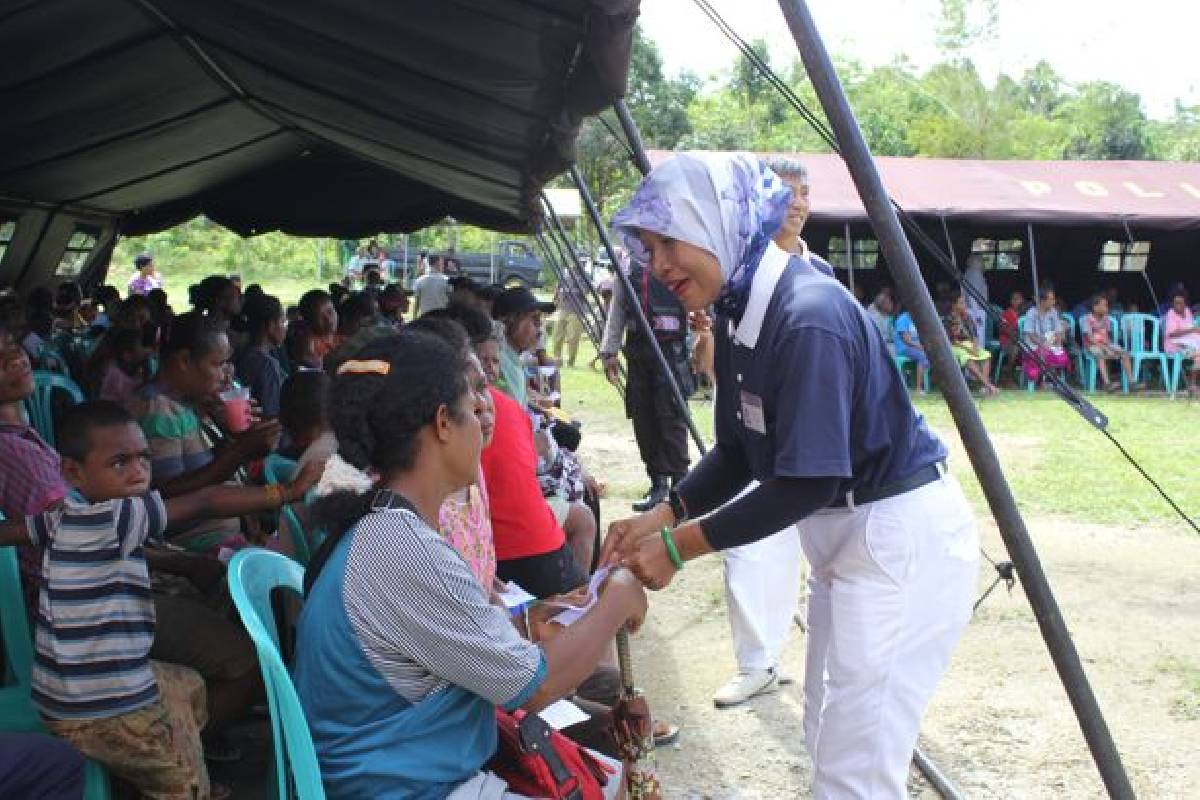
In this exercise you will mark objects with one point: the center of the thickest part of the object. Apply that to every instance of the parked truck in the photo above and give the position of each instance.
(511, 263)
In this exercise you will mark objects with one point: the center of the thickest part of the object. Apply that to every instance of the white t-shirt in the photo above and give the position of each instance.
(431, 292)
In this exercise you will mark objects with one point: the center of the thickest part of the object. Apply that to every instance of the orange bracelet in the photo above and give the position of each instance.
(275, 492)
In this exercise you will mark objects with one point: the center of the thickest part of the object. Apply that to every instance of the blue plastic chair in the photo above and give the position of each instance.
(253, 574)
(1088, 368)
(1176, 361)
(1146, 348)
(39, 406)
(17, 714)
(279, 470)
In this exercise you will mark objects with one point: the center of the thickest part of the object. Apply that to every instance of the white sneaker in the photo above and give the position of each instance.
(744, 686)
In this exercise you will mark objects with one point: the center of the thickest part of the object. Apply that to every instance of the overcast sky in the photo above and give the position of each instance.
(1151, 46)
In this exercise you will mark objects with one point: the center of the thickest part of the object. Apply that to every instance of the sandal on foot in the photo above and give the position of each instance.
(665, 733)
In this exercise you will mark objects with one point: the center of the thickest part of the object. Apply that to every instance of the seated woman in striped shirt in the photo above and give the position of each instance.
(93, 681)
(401, 660)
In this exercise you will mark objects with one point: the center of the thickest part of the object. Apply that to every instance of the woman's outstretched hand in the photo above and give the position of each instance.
(651, 564)
(624, 535)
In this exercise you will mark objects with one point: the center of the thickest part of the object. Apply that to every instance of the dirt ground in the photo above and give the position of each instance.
(1000, 725)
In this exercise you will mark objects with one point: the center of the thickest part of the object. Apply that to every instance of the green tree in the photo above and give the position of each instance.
(1105, 122)
(1178, 138)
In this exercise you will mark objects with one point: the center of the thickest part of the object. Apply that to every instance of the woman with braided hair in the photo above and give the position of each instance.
(401, 659)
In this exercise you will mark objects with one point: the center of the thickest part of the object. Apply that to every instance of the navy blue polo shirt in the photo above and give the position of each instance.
(806, 387)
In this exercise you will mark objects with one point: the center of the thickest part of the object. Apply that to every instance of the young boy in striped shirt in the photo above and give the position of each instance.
(93, 680)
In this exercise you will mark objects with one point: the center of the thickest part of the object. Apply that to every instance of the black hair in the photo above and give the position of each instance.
(310, 301)
(476, 323)
(356, 308)
(68, 294)
(442, 325)
(337, 293)
(192, 332)
(304, 401)
(378, 418)
(253, 289)
(203, 296)
(109, 297)
(74, 431)
(1179, 290)
(260, 311)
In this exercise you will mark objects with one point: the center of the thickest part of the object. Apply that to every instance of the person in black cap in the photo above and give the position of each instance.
(521, 315)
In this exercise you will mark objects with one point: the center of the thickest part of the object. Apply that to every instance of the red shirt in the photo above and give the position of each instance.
(522, 523)
(1008, 327)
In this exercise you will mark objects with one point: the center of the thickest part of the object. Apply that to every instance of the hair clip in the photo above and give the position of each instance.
(372, 366)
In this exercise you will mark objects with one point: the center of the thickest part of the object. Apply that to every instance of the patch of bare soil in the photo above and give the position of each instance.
(1000, 725)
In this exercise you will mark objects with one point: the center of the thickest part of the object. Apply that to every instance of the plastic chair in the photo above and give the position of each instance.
(254, 574)
(39, 406)
(1143, 348)
(1088, 368)
(17, 714)
(903, 361)
(1176, 361)
(279, 470)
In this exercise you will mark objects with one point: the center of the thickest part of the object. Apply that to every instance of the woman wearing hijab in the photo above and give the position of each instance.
(809, 405)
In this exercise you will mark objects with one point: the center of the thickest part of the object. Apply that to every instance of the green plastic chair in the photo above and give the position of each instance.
(39, 406)
(1146, 348)
(254, 573)
(1088, 368)
(901, 363)
(279, 470)
(17, 714)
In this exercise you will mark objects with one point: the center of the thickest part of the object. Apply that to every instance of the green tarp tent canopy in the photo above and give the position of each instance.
(316, 118)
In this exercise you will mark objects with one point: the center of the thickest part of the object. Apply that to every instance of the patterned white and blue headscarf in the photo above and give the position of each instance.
(729, 204)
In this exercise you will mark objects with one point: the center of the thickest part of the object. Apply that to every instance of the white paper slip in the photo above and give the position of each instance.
(514, 597)
(563, 714)
(572, 613)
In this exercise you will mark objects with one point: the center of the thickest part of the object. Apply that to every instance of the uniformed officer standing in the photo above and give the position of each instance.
(659, 425)
(810, 405)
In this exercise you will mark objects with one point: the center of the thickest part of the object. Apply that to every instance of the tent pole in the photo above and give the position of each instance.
(949, 241)
(640, 159)
(903, 265)
(1033, 259)
(639, 313)
(849, 254)
(1145, 272)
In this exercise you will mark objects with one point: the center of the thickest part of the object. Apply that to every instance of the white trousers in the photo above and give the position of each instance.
(762, 590)
(890, 593)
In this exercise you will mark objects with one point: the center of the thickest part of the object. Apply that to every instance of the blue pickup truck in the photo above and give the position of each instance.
(512, 263)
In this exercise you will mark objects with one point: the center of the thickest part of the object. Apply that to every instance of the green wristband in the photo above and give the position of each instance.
(672, 550)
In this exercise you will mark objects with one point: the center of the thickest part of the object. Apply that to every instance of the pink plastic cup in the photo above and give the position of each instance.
(237, 408)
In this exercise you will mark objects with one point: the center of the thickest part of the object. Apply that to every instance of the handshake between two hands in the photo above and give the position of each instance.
(636, 543)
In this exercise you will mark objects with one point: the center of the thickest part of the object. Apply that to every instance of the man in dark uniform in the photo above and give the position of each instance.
(659, 425)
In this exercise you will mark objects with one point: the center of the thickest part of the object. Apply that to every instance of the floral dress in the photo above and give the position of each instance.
(465, 521)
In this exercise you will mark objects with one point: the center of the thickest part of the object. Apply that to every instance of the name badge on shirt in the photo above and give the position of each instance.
(752, 413)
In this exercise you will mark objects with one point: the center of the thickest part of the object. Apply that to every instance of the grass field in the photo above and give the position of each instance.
(1056, 463)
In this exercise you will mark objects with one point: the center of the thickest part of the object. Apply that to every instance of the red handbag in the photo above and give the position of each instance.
(538, 761)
